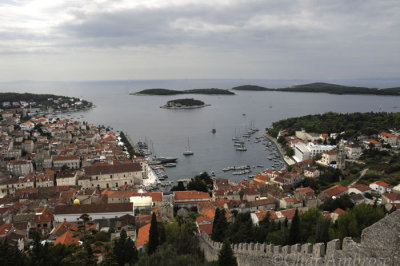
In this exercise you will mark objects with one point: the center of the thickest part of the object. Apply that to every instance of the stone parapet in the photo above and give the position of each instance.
(380, 245)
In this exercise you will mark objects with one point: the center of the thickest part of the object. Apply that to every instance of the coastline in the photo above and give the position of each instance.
(288, 160)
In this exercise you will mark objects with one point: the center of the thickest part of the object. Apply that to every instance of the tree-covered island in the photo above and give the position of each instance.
(159, 91)
(187, 103)
(325, 88)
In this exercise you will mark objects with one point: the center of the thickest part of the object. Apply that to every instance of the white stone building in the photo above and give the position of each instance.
(306, 151)
(111, 176)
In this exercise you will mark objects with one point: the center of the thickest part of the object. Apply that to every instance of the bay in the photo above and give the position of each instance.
(168, 130)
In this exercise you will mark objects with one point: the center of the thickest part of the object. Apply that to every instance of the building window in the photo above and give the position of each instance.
(111, 176)
(108, 186)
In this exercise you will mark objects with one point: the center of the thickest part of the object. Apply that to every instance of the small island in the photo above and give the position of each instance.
(159, 91)
(187, 103)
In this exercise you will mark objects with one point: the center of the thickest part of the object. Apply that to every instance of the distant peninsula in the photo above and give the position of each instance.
(43, 102)
(325, 88)
(187, 103)
(210, 91)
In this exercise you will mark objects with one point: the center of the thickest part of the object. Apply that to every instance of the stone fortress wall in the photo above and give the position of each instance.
(380, 245)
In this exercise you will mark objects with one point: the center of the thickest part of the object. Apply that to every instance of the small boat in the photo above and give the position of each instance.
(170, 165)
(242, 148)
(188, 152)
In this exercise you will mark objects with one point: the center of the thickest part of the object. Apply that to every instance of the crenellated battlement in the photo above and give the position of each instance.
(368, 252)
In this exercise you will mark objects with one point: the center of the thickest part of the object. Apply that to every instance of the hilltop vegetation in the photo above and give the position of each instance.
(325, 88)
(210, 91)
(186, 103)
(251, 88)
(353, 124)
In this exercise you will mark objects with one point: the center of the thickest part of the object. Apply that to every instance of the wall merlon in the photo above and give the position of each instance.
(332, 247)
(306, 248)
(319, 250)
(348, 243)
(296, 248)
(270, 249)
(286, 250)
(277, 249)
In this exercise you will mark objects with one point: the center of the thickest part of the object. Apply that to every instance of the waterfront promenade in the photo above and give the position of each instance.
(287, 159)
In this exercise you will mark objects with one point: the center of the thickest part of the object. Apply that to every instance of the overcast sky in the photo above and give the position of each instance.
(167, 39)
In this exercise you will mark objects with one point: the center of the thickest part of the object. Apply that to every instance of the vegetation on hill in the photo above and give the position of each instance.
(353, 124)
(210, 91)
(308, 227)
(187, 102)
(325, 88)
(251, 88)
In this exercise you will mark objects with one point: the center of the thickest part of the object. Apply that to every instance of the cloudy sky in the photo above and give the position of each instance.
(167, 39)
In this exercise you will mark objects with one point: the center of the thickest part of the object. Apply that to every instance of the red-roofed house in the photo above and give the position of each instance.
(288, 202)
(44, 220)
(311, 172)
(61, 228)
(205, 228)
(374, 143)
(260, 215)
(328, 158)
(390, 198)
(68, 238)
(190, 198)
(143, 237)
(359, 189)
(388, 138)
(307, 194)
(335, 214)
(72, 161)
(335, 191)
(380, 187)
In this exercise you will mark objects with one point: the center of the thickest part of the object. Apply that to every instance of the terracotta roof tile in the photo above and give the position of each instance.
(109, 169)
(94, 208)
(335, 190)
(68, 238)
(206, 228)
(192, 194)
(143, 235)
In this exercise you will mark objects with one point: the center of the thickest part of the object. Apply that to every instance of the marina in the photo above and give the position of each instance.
(143, 120)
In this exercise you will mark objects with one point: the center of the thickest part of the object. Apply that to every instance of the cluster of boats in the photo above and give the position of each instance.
(274, 157)
(143, 148)
(239, 144)
(159, 171)
(243, 167)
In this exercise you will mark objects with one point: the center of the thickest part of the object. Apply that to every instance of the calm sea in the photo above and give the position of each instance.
(167, 131)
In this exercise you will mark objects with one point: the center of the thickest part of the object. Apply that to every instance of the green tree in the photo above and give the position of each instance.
(219, 226)
(125, 250)
(294, 232)
(179, 187)
(153, 235)
(225, 256)
(11, 255)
